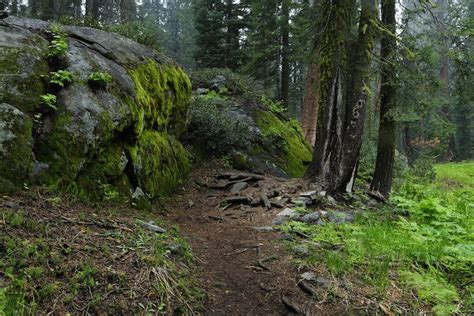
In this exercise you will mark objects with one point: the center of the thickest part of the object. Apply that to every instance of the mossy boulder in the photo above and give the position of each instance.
(16, 144)
(228, 112)
(94, 141)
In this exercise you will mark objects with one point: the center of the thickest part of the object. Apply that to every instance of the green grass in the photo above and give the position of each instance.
(424, 242)
(461, 173)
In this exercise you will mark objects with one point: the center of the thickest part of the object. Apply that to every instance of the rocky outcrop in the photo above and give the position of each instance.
(95, 141)
(272, 142)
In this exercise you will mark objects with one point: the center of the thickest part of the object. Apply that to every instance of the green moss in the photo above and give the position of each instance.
(21, 91)
(159, 161)
(295, 152)
(240, 161)
(64, 155)
(162, 95)
(16, 144)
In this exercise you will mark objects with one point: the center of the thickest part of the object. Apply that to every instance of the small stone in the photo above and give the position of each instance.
(220, 285)
(175, 248)
(301, 249)
(308, 276)
(331, 200)
(190, 203)
(153, 227)
(311, 218)
(322, 193)
(288, 212)
(12, 205)
(202, 91)
(279, 221)
(309, 194)
(263, 229)
(138, 194)
(239, 187)
(285, 237)
(323, 282)
(302, 200)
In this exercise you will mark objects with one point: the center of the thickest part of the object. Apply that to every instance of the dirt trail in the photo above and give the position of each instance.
(244, 271)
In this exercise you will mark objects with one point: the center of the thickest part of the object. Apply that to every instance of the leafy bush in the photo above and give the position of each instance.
(60, 78)
(100, 79)
(235, 83)
(49, 100)
(58, 46)
(215, 126)
(423, 169)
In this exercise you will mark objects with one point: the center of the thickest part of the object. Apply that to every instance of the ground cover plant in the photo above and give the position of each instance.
(58, 255)
(422, 243)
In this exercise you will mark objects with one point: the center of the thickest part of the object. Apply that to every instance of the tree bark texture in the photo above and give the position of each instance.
(309, 112)
(342, 94)
(383, 175)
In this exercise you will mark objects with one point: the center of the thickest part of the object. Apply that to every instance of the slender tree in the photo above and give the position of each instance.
(285, 52)
(382, 180)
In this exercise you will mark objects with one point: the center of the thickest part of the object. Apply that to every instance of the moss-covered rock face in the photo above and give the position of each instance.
(22, 63)
(16, 145)
(99, 142)
(271, 143)
(285, 137)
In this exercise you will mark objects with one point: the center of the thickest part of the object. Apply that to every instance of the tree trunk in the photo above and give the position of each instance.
(332, 98)
(382, 181)
(285, 63)
(342, 95)
(309, 112)
(357, 98)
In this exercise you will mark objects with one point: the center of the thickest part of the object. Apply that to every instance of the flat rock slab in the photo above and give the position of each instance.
(288, 212)
(239, 187)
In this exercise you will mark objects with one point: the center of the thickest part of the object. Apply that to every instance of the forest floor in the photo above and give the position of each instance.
(232, 243)
(245, 268)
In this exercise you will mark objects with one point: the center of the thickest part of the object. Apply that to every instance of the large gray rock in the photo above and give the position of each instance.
(119, 137)
(16, 144)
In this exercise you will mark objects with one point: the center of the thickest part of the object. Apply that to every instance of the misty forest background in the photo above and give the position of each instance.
(274, 41)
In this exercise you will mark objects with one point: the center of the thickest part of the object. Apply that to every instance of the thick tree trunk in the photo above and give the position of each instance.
(332, 98)
(342, 95)
(382, 181)
(309, 112)
(285, 62)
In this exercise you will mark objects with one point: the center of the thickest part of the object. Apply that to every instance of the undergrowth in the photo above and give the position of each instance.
(68, 257)
(423, 242)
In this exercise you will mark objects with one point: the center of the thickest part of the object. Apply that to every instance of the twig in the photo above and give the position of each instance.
(239, 251)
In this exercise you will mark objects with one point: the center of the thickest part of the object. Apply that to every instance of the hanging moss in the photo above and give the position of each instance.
(159, 161)
(162, 96)
(296, 152)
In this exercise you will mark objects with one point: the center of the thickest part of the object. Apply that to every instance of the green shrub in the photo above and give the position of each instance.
(58, 46)
(215, 126)
(60, 78)
(100, 79)
(49, 100)
(235, 84)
